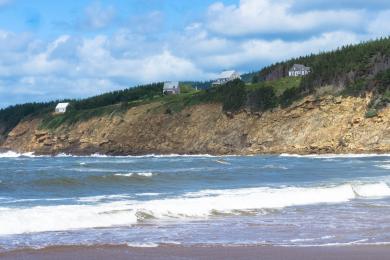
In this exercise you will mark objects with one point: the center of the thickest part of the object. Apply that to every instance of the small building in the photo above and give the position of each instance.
(226, 76)
(171, 88)
(61, 108)
(299, 70)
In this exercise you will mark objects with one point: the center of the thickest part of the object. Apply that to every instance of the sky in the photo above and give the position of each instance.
(53, 50)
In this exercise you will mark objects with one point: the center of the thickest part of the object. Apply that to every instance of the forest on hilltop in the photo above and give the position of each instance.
(350, 70)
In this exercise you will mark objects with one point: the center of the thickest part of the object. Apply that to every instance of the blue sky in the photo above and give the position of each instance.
(73, 49)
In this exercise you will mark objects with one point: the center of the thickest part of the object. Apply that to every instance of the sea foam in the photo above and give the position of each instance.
(132, 174)
(332, 156)
(11, 154)
(196, 205)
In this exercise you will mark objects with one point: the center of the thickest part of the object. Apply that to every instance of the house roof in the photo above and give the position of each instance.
(171, 84)
(299, 67)
(226, 74)
(62, 105)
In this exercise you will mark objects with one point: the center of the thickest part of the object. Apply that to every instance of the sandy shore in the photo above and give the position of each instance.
(255, 252)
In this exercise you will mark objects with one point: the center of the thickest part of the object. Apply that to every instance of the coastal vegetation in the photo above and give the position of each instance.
(353, 70)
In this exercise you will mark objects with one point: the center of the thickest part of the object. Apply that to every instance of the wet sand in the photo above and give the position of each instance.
(250, 252)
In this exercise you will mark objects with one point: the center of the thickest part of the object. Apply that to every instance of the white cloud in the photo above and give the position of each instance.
(231, 36)
(266, 16)
(166, 66)
(255, 51)
(98, 16)
(95, 67)
(380, 25)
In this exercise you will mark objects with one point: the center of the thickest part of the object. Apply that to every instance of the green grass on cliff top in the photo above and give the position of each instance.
(169, 104)
(279, 85)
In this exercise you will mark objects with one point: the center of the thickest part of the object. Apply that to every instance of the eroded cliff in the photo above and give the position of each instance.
(313, 125)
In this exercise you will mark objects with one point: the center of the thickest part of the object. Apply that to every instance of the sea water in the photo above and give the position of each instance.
(285, 200)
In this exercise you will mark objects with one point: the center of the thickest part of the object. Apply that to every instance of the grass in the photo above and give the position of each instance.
(52, 121)
(279, 85)
(173, 103)
(169, 104)
(176, 103)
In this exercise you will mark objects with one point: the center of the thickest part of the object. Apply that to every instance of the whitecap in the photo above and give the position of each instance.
(384, 166)
(277, 167)
(11, 154)
(196, 205)
(222, 162)
(148, 194)
(103, 198)
(132, 174)
(332, 156)
(372, 190)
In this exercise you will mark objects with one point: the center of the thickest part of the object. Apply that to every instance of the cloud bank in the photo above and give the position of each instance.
(107, 52)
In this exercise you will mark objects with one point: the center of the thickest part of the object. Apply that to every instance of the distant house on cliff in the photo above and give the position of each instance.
(299, 70)
(171, 88)
(61, 108)
(226, 76)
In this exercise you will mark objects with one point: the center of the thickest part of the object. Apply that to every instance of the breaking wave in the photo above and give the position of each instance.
(197, 205)
(96, 155)
(332, 156)
(11, 154)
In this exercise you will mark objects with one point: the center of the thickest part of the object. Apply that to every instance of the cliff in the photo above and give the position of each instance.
(312, 125)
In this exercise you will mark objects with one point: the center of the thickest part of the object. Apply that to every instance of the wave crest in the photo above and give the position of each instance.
(202, 204)
(132, 174)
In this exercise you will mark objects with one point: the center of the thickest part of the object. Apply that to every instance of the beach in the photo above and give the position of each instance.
(247, 252)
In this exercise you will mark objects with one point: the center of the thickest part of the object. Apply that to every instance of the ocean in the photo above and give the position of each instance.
(147, 201)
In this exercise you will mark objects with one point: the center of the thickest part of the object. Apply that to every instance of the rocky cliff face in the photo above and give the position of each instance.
(313, 125)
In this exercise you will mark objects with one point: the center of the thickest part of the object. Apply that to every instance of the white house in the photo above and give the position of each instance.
(61, 108)
(299, 70)
(226, 76)
(171, 88)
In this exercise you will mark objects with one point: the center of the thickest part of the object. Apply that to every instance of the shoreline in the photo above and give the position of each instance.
(372, 252)
(285, 154)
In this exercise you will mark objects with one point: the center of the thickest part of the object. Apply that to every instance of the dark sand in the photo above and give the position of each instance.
(255, 252)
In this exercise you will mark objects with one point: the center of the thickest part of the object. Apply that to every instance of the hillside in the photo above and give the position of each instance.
(263, 113)
(351, 71)
(312, 125)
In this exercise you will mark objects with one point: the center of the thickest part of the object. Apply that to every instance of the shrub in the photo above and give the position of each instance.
(289, 96)
(232, 95)
(186, 89)
(262, 98)
(371, 113)
(383, 81)
(356, 87)
(115, 97)
(11, 116)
